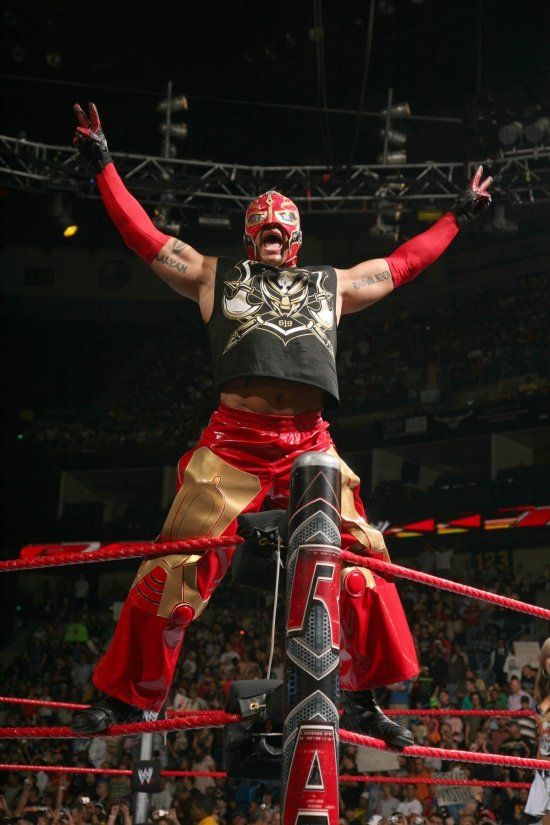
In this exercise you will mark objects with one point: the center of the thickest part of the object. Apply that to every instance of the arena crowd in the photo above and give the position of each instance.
(387, 361)
(466, 653)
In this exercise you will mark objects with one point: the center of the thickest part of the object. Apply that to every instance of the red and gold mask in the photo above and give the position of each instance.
(273, 210)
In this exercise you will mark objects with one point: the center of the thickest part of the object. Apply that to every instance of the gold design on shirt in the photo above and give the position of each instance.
(287, 303)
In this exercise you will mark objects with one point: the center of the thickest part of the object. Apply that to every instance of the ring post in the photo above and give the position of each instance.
(312, 643)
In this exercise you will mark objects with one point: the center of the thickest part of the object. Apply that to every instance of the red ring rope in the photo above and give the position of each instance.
(446, 584)
(212, 718)
(430, 712)
(370, 778)
(121, 550)
(216, 718)
(44, 703)
(459, 712)
(445, 754)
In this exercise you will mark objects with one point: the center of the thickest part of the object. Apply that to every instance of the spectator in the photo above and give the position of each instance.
(419, 771)
(527, 678)
(497, 699)
(81, 588)
(388, 803)
(527, 724)
(516, 694)
(202, 808)
(443, 562)
(162, 799)
(516, 744)
(411, 804)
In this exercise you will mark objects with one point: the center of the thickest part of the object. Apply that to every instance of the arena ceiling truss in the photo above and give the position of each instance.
(522, 178)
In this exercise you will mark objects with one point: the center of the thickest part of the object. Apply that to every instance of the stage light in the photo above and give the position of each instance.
(537, 131)
(380, 229)
(177, 104)
(429, 214)
(392, 157)
(179, 131)
(395, 137)
(176, 130)
(398, 110)
(390, 211)
(393, 140)
(510, 133)
(61, 211)
(500, 223)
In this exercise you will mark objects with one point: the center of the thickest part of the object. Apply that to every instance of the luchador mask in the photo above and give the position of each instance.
(273, 209)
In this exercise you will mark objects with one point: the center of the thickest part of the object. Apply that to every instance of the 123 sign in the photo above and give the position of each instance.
(498, 560)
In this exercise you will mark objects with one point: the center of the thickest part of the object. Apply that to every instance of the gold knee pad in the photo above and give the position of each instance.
(213, 493)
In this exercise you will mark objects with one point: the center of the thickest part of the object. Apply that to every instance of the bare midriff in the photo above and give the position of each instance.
(271, 396)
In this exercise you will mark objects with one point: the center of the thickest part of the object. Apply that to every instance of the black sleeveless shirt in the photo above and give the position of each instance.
(275, 323)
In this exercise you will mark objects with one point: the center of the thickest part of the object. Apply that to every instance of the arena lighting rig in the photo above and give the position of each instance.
(522, 178)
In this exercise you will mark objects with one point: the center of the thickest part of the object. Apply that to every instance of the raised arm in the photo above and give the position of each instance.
(187, 271)
(368, 282)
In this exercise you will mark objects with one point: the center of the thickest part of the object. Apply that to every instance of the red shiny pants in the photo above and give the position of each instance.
(241, 462)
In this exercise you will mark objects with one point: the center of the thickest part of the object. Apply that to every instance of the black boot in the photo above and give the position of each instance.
(108, 711)
(362, 715)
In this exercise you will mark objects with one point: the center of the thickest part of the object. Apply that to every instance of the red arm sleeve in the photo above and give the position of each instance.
(412, 257)
(132, 221)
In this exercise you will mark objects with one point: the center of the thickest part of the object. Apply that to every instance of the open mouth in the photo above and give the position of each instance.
(272, 240)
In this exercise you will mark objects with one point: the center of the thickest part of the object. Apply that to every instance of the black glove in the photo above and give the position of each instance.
(90, 140)
(474, 200)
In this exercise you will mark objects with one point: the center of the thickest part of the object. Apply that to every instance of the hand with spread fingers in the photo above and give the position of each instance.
(89, 138)
(474, 200)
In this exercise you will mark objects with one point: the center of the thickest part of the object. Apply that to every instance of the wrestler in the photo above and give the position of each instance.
(272, 327)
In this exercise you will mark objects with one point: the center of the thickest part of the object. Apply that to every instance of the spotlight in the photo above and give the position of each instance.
(510, 133)
(177, 104)
(392, 157)
(537, 131)
(176, 130)
(61, 211)
(398, 110)
(429, 214)
(179, 131)
(395, 137)
(380, 229)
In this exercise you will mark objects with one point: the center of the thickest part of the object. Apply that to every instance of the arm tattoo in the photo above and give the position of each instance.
(167, 260)
(178, 247)
(378, 277)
